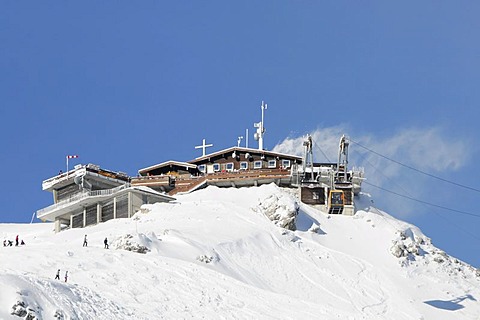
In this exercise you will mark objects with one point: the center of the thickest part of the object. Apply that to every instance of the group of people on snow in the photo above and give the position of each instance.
(57, 276)
(9, 243)
(85, 242)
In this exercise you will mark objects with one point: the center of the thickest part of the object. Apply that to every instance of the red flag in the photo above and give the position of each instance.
(71, 157)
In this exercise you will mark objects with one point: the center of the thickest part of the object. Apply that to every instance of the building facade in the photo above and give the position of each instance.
(88, 195)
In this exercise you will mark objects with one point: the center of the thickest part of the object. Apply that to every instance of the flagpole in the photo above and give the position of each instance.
(68, 157)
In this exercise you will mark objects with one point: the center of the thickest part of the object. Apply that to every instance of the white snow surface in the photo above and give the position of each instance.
(215, 254)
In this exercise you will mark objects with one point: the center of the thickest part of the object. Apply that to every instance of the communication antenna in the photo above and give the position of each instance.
(260, 128)
(239, 140)
(246, 138)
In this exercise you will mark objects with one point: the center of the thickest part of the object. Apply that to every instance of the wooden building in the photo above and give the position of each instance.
(232, 167)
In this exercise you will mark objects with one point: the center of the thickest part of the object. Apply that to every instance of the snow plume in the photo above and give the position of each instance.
(325, 144)
(430, 150)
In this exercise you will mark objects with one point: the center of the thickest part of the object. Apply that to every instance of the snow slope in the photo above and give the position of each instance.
(215, 253)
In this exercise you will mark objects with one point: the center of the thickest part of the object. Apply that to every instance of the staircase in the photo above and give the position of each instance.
(187, 185)
(335, 210)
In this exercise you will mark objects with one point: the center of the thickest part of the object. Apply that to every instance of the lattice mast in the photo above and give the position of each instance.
(342, 159)
(308, 159)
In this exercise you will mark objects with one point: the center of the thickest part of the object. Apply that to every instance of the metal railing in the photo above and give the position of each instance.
(61, 177)
(79, 196)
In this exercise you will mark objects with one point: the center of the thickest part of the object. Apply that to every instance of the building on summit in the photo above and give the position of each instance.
(88, 195)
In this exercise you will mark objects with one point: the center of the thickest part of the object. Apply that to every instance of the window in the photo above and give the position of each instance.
(272, 163)
(285, 164)
(216, 167)
(257, 165)
(337, 198)
(243, 165)
(202, 168)
(229, 166)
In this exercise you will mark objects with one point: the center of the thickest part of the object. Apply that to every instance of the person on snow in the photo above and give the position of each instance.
(4, 243)
(57, 276)
(85, 241)
(22, 243)
(66, 276)
(16, 241)
(105, 242)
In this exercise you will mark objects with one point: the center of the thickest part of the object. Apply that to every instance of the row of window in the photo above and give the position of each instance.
(244, 165)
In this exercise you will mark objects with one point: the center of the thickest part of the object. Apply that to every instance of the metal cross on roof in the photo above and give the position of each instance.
(203, 147)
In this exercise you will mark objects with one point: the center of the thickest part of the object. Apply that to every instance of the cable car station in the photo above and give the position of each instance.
(88, 194)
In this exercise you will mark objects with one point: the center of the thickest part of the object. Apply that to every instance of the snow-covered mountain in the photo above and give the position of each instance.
(223, 253)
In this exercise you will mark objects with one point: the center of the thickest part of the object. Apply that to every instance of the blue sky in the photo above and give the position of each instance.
(126, 85)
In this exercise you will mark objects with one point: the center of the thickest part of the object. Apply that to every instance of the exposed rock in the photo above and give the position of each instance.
(19, 309)
(398, 249)
(413, 248)
(314, 228)
(127, 242)
(440, 257)
(282, 213)
(59, 315)
(22, 310)
(205, 258)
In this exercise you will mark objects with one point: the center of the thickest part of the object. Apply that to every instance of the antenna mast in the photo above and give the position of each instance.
(260, 128)
(239, 139)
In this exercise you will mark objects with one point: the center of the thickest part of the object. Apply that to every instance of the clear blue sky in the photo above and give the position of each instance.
(130, 84)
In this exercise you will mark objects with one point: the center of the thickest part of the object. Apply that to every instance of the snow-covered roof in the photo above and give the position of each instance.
(168, 163)
(151, 191)
(241, 149)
